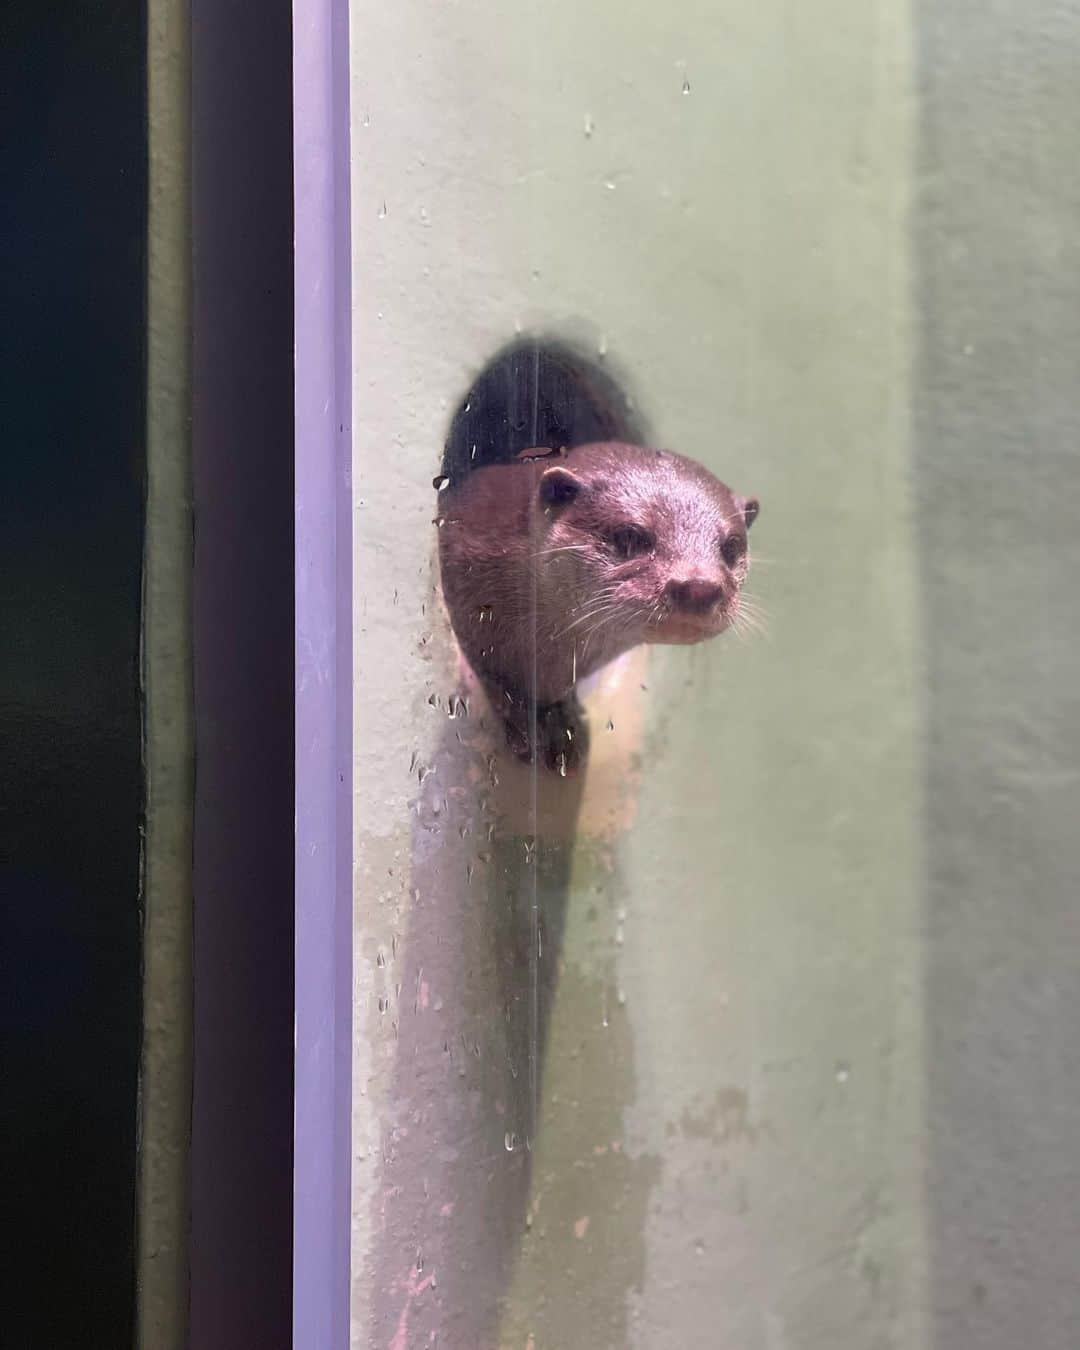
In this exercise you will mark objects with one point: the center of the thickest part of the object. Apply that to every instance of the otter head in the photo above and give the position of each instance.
(640, 545)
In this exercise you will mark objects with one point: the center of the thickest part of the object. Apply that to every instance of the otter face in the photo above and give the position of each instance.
(642, 546)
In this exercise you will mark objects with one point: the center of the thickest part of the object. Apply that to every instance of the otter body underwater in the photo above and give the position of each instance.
(556, 563)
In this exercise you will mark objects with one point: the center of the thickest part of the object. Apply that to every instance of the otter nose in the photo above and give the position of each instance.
(695, 596)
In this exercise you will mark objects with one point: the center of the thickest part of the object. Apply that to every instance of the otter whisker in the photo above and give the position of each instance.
(609, 608)
(593, 611)
(749, 619)
(562, 548)
(602, 600)
(754, 607)
(597, 618)
(625, 610)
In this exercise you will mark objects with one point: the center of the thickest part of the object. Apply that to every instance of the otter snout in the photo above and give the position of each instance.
(695, 595)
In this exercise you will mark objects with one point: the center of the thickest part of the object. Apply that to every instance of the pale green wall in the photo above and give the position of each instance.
(747, 208)
(996, 241)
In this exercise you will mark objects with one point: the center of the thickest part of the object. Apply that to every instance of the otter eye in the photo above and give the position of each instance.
(733, 549)
(629, 541)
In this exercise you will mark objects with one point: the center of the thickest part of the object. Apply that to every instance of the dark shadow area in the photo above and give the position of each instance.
(473, 981)
(73, 229)
(537, 392)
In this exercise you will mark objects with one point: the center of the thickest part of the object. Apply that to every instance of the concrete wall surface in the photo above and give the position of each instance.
(995, 456)
(758, 1036)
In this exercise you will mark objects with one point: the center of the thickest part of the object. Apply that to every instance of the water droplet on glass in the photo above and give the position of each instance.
(367, 119)
(686, 86)
(384, 1004)
(425, 218)
(484, 613)
(440, 481)
(562, 766)
(590, 126)
(382, 211)
(380, 960)
(510, 1141)
(843, 1071)
(419, 1262)
(467, 406)
(601, 346)
(433, 700)
(610, 184)
(610, 725)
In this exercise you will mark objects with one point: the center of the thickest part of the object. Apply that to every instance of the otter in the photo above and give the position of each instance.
(558, 562)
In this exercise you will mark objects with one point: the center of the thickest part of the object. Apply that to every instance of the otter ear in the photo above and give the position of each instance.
(559, 487)
(749, 506)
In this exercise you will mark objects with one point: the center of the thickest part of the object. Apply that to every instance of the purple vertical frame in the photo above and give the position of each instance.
(240, 1247)
(323, 371)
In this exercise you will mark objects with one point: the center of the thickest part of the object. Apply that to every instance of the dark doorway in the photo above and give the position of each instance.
(536, 391)
(72, 203)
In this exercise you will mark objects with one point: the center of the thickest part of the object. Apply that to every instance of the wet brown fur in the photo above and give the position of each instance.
(552, 566)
